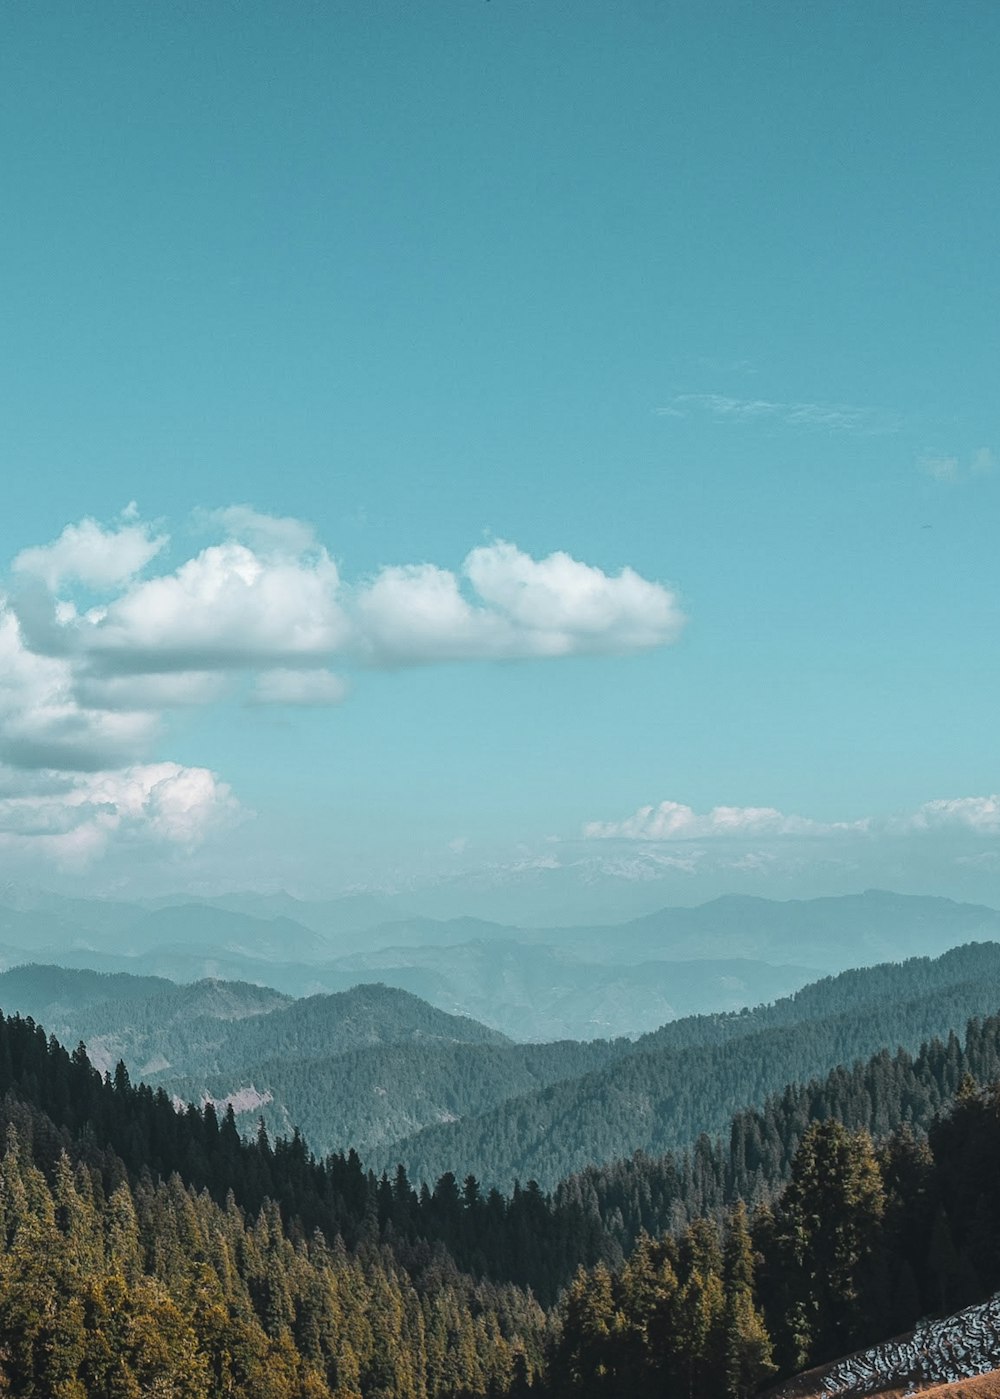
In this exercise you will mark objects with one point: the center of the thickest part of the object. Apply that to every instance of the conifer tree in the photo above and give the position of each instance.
(748, 1350)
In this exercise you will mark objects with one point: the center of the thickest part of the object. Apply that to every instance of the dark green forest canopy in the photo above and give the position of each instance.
(524, 1236)
(143, 1242)
(692, 1075)
(379, 1070)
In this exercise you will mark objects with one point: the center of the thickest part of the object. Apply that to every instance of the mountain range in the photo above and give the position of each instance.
(381, 1070)
(540, 984)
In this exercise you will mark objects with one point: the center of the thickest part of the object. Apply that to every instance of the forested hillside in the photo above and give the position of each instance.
(138, 1248)
(862, 1243)
(369, 1098)
(691, 1076)
(222, 1026)
(380, 1070)
(150, 1022)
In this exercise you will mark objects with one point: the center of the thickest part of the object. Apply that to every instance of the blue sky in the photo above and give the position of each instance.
(703, 293)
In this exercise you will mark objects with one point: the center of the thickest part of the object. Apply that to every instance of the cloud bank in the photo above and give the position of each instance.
(946, 833)
(96, 647)
(674, 821)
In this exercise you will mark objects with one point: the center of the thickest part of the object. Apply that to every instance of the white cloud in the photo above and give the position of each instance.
(225, 609)
(979, 815)
(70, 782)
(165, 690)
(86, 553)
(278, 602)
(299, 687)
(43, 725)
(416, 612)
(952, 470)
(673, 821)
(72, 820)
(521, 608)
(269, 534)
(839, 417)
(83, 687)
(953, 831)
(573, 605)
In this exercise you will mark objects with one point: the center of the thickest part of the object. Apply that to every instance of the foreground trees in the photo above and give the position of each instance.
(128, 1270)
(680, 1318)
(159, 1291)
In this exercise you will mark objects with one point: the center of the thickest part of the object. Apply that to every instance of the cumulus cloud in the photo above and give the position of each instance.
(520, 608)
(979, 815)
(86, 553)
(262, 612)
(416, 612)
(180, 689)
(270, 598)
(972, 817)
(225, 609)
(265, 533)
(42, 723)
(565, 606)
(673, 821)
(73, 818)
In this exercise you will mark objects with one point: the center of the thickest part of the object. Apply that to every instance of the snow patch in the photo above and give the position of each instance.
(938, 1352)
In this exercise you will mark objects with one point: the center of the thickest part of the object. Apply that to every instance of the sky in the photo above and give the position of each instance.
(500, 444)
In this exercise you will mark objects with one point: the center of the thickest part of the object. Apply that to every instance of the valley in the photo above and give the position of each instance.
(550, 1165)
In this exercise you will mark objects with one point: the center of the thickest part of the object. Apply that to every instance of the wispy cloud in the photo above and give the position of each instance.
(954, 470)
(834, 417)
(673, 821)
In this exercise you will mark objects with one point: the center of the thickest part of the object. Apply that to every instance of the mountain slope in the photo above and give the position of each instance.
(370, 1097)
(691, 1076)
(48, 993)
(213, 1026)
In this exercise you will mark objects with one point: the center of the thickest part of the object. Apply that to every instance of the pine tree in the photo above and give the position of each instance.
(748, 1350)
(829, 1233)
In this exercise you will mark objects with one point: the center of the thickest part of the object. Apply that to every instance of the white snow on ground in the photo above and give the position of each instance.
(938, 1352)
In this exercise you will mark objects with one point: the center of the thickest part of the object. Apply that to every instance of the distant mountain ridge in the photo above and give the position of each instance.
(382, 1070)
(539, 984)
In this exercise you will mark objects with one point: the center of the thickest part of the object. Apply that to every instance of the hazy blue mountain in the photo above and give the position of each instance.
(342, 919)
(187, 963)
(22, 931)
(68, 912)
(829, 934)
(537, 992)
(49, 993)
(154, 1025)
(199, 925)
(163, 1030)
(530, 983)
